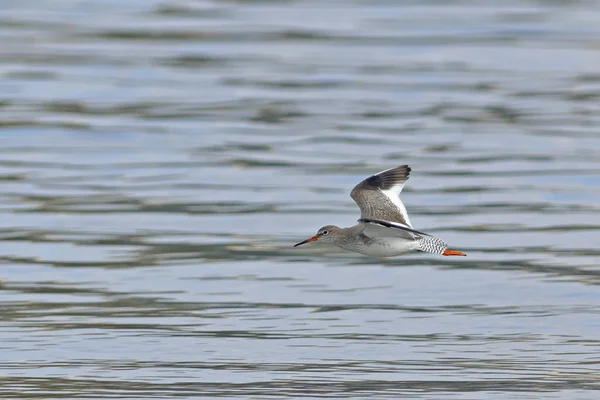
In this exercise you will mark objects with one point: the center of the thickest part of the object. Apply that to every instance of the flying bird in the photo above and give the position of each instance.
(384, 229)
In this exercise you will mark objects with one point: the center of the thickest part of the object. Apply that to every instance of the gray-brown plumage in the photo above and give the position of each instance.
(384, 229)
(377, 196)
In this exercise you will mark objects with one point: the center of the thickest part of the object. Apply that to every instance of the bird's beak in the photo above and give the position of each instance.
(312, 239)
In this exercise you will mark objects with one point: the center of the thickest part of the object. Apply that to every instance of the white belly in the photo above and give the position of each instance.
(386, 247)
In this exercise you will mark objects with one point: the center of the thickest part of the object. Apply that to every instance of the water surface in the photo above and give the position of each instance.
(158, 159)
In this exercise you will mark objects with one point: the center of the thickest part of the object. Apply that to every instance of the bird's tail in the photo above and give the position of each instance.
(431, 244)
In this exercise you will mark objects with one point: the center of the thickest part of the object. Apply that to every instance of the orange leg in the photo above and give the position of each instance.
(453, 253)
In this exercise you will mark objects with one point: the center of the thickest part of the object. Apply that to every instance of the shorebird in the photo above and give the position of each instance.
(384, 229)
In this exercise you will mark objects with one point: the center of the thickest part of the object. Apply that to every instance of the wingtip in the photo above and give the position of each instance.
(402, 169)
(390, 177)
(453, 253)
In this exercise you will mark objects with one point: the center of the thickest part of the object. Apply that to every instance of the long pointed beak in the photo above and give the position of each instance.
(312, 239)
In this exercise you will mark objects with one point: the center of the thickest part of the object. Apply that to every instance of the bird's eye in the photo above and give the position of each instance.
(324, 232)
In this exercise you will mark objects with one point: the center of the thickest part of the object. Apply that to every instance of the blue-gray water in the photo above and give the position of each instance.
(158, 160)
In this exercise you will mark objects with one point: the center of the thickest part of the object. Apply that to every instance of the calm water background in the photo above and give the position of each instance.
(158, 159)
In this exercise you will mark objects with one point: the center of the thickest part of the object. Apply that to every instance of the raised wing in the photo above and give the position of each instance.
(378, 196)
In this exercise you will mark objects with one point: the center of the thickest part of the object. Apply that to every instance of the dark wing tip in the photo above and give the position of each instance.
(388, 178)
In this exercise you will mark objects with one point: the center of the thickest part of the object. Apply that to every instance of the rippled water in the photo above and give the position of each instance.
(158, 159)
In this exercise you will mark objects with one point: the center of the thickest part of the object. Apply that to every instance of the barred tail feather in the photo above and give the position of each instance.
(431, 244)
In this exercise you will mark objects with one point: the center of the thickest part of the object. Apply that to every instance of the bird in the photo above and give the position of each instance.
(384, 228)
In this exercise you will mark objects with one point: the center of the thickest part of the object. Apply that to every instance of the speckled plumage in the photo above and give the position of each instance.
(370, 195)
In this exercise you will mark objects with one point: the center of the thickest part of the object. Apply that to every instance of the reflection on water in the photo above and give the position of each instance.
(159, 159)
